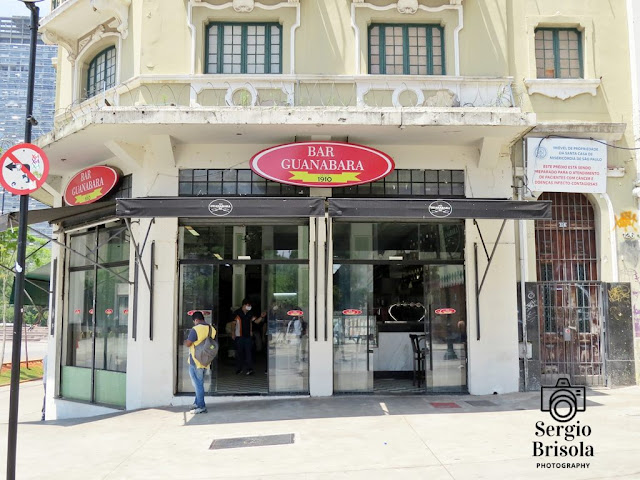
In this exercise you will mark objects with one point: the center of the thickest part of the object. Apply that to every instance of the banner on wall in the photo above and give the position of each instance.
(573, 165)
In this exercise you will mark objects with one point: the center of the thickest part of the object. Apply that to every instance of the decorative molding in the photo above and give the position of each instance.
(52, 38)
(407, 6)
(97, 34)
(243, 6)
(561, 88)
(119, 9)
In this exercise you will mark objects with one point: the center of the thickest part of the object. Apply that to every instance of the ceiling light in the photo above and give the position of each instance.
(192, 231)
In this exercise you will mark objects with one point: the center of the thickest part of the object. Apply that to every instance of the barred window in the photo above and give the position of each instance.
(406, 49)
(558, 53)
(244, 48)
(410, 183)
(102, 72)
(230, 183)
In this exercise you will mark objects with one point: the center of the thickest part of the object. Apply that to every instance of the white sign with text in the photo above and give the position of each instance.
(566, 165)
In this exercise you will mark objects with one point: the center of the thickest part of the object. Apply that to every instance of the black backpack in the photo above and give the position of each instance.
(207, 350)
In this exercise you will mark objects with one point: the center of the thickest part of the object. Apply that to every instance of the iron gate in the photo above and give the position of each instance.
(571, 332)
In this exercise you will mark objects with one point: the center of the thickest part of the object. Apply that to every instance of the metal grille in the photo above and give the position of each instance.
(230, 183)
(569, 293)
(410, 183)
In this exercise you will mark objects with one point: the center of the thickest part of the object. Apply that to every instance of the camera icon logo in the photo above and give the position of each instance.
(563, 401)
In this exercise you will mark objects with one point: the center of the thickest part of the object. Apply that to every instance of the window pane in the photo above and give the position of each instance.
(85, 245)
(79, 332)
(112, 301)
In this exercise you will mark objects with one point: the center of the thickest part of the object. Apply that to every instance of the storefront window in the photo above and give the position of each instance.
(268, 242)
(95, 345)
(398, 241)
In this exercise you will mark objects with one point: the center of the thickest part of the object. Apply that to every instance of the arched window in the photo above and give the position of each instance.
(102, 72)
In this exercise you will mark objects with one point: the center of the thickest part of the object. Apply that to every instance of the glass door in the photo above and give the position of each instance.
(198, 291)
(354, 323)
(446, 329)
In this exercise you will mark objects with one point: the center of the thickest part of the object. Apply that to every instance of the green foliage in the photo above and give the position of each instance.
(37, 255)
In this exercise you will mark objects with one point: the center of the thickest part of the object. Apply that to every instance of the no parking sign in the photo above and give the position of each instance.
(24, 169)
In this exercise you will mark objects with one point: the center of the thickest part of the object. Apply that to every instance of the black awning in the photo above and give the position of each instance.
(65, 216)
(219, 207)
(436, 209)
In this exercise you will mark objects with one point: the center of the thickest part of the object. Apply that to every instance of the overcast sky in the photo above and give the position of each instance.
(10, 8)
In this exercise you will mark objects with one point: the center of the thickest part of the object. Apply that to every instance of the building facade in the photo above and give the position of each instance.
(448, 272)
(14, 71)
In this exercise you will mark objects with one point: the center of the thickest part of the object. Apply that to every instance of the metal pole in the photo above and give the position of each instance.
(22, 244)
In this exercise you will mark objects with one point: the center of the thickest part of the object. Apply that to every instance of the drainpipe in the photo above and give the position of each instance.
(522, 238)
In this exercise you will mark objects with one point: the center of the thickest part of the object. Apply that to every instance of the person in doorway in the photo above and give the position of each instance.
(196, 335)
(242, 334)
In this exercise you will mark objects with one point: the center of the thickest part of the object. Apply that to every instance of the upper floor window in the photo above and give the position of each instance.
(244, 48)
(406, 49)
(559, 53)
(102, 72)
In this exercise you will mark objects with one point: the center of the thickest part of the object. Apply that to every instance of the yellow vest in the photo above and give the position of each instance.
(202, 330)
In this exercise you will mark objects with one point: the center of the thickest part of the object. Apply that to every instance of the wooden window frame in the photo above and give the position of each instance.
(556, 51)
(406, 67)
(243, 63)
(93, 85)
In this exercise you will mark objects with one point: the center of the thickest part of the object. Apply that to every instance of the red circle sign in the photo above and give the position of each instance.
(24, 169)
(108, 311)
(126, 311)
(90, 185)
(445, 311)
(295, 313)
(91, 311)
(352, 311)
(77, 310)
(322, 164)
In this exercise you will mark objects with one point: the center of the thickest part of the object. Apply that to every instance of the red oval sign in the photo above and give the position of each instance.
(108, 311)
(352, 311)
(126, 311)
(90, 185)
(295, 313)
(91, 311)
(322, 164)
(77, 310)
(445, 311)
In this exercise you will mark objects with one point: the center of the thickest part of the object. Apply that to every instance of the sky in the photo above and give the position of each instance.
(10, 8)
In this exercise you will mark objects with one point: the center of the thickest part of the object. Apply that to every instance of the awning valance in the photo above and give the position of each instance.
(65, 216)
(437, 209)
(218, 207)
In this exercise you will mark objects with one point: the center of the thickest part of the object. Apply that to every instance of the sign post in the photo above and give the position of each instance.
(27, 178)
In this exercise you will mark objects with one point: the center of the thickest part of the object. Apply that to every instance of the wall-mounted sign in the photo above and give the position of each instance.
(90, 185)
(445, 311)
(566, 165)
(440, 209)
(352, 311)
(220, 207)
(24, 169)
(322, 164)
(295, 313)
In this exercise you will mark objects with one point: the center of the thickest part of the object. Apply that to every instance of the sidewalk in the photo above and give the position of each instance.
(347, 437)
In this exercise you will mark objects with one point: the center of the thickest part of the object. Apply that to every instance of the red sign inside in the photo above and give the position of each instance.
(352, 311)
(295, 313)
(90, 185)
(126, 311)
(445, 311)
(77, 310)
(108, 311)
(91, 311)
(322, 164)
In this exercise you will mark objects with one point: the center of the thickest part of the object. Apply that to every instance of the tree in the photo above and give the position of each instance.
(37, 255)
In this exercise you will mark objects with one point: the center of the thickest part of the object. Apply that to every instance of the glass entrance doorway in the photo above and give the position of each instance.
(399, 317)
(268, 264)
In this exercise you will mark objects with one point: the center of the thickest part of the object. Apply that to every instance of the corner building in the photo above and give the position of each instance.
(408, 283)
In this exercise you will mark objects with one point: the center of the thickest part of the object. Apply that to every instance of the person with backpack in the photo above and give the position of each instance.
(198, 338)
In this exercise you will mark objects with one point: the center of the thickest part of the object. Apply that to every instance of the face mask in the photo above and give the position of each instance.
(248, 308)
